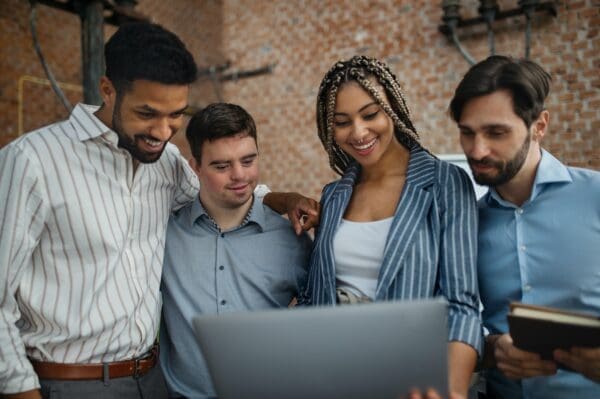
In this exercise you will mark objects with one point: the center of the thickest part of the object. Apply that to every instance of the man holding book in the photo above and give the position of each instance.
(539, 227)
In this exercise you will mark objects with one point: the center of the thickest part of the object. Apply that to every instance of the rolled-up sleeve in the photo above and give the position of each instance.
(21, 222)
(458, 257)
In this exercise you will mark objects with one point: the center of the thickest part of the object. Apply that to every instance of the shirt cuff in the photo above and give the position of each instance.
(467, 329)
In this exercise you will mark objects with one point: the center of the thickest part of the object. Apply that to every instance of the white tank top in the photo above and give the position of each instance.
(358, 252)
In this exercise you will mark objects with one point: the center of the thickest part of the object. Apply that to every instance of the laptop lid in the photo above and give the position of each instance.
(376, 350)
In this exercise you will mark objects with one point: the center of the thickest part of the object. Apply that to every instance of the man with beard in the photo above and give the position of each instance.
(226, 251)
(85, 206)
(539, 227)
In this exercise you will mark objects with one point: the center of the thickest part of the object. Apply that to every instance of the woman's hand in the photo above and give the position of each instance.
(302, 211)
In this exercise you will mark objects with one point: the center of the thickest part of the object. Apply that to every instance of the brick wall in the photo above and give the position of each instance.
(303, 39)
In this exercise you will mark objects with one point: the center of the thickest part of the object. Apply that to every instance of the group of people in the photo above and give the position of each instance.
(104, 226)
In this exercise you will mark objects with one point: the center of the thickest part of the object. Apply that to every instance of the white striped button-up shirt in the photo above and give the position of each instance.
(81, 246)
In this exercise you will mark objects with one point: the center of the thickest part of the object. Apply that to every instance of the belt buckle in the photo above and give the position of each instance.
(136, 368)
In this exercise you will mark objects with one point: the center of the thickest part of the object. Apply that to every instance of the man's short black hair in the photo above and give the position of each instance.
(143, 50)
(527, 82)
(216, 121)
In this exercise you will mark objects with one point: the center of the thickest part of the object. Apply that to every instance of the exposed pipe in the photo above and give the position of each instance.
(59, 93)
(92, 45)
(528, 7)
(489, 13)
(248, 73)
(488, 10)
(212, 73)
(451, 18)
(35, 80)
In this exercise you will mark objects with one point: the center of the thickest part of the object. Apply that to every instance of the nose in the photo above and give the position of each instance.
(163, 129)
(359, 131)
(477, 148)
(237, 171)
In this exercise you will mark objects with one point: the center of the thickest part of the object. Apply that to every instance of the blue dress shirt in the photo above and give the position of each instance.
(430, 248)
(261, 264)
(546, 252)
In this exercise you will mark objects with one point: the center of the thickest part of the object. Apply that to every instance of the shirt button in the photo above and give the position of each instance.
(223, 302)
(523, 247)
(520, 211)
(221, 267)
(527, 288)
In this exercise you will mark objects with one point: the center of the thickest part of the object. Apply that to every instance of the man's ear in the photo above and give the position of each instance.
(540, 126)
(195, 165)
(108, 92)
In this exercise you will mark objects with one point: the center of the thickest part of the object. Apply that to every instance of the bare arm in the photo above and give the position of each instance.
(462, 359)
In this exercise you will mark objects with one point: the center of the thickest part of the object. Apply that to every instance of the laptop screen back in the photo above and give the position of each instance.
(378, 350)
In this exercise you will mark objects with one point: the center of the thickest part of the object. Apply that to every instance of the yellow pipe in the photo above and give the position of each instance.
(45, 82)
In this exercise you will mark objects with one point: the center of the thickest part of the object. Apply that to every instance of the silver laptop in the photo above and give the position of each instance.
(378, 350)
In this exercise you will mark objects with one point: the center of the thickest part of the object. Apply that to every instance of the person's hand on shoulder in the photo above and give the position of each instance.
(585, 361)
(302, 211)
(516, 363)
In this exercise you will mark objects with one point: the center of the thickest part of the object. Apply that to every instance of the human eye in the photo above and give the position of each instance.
(145, 114)
(221, 167)
(177, 115)
(371, 115)
(466, 132)
(497, 133)
(341, 123)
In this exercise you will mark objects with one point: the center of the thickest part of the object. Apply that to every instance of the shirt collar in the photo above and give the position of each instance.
(550, 170)
(256, 214)
(88, 126)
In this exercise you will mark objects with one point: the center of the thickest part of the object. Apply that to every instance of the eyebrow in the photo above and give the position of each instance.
(360, 110)
(487, 127)
(146, 107)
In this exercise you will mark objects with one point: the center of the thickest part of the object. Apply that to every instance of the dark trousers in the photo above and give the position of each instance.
(149, 386)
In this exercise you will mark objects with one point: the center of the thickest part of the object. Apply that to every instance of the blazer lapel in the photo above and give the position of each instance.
(411, 211)
(334, 205)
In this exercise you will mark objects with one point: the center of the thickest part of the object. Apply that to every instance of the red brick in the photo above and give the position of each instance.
(304, 38)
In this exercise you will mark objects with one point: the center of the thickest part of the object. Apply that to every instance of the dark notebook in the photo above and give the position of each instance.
(542, 329)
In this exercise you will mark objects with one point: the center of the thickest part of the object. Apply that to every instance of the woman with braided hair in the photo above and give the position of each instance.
(399, 224)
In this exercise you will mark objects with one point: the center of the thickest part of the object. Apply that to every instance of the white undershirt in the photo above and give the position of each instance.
(358, 251)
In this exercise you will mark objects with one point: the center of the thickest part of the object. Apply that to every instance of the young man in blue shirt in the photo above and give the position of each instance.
(225, 251)
(539, 227)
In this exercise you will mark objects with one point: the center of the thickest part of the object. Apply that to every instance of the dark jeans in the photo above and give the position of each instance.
(149, 386)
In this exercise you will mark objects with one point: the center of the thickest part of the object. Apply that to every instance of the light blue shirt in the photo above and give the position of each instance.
(546, 252)
(260, 264)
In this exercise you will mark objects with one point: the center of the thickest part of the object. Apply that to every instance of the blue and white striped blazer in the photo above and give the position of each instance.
(431, 248)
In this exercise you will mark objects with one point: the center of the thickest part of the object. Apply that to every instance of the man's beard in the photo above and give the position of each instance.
(128, 143)
(506, 170)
